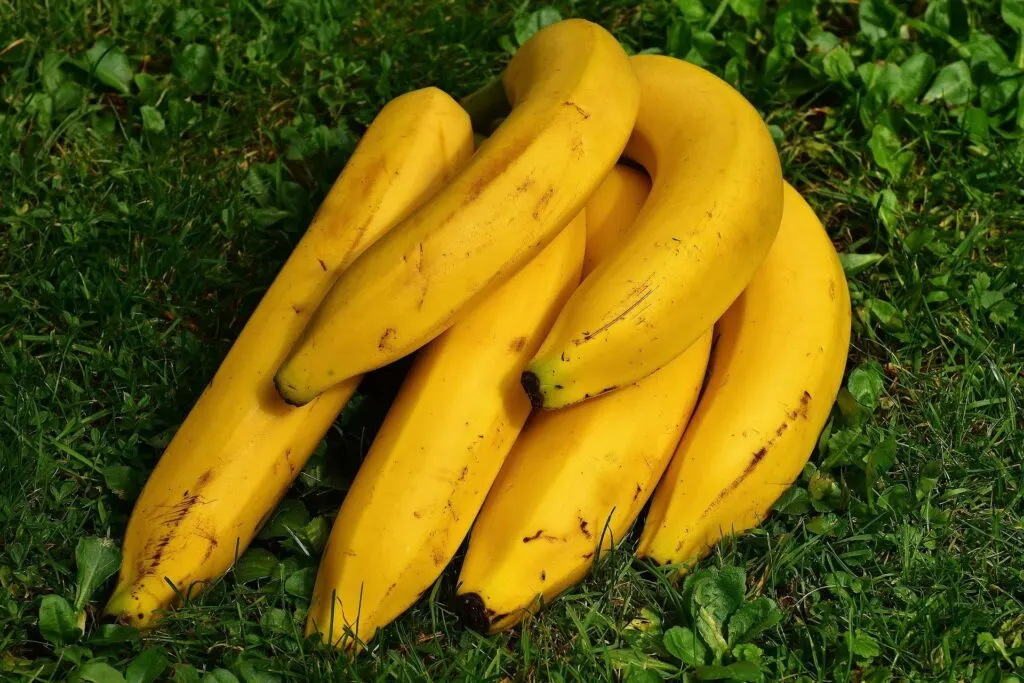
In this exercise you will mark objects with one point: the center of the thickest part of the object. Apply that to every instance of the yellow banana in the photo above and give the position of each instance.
(611, 212)
(711, 217)
(241, 445)
(779, 358)
(438, 451)
(574, 99)
(577, 478)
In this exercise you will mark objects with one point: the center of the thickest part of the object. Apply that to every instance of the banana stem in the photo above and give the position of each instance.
(485, 105)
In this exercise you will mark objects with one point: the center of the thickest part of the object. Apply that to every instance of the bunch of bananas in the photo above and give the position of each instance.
(693, 366)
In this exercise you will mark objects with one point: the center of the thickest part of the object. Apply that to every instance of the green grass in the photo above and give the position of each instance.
(141, 218)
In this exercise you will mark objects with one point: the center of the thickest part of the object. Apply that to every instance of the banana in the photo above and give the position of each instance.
(574, 99)
(611, 212)
(577, 478)
(241, 445)
(778, 363)
(713, 212)
(438, 451)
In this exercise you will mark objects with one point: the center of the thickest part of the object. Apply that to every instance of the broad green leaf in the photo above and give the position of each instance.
(888, 153)
(99, 672)
(928, 478)
(790, 19)
(858, 263)
(300, 584)
(751, 619)
(97, 559)
(881, 458)
(693, 10)
(895, 498)
(50, 70)
(886, 314)
(822, 486)
(976, 124)
(256, 563)
(185, 673)
(252, 672)
(866, 383)
(793, 502)
(750, 10)
(147, 86)
(999, 95)
(637, 674)
(276, 620)
(720, 591)
(823, 525)
(57, 620)
(527, 26)
(952, 85)
(1013, 14)
(877, 19)
(678, 41)
(194, 66)
(838, 65)
(863, 646)
(188, 23)
(1003, 312)
(219, 676)
(915, 73)
(152, 120)
(316, 533)
(120, 479)
(147, 667)
(109, 64)
(290, 517)
(747, 652)
(684, 645)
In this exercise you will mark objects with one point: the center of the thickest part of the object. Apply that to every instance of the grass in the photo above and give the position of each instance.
(159, 163)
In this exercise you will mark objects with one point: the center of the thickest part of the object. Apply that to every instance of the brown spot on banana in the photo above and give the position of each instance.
(385, 338)
(517, 345)
(498, 166)
(583, 527)
(544, 200)
(541, 536)
(589, 336)
(323, 264)
(584, 114)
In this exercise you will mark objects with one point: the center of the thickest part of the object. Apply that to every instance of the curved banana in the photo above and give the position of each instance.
(778, 363)
(611, 212)
(241, 445)
(574, 100)
(438, 451)
(577, 478)
(711, 217)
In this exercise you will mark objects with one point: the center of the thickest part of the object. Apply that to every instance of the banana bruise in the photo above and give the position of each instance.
(438, 452)
(712, 214)
(574, 99)
(241, 446)
(577, 478)
(778, 362)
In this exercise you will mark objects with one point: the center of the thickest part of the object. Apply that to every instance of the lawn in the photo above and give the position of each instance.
(157, 164)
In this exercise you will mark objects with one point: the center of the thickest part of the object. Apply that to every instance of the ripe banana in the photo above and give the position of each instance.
(438, 451)
(711, 217)
(611, 212)
(574, 99)
(779, 359)
(577, 478)
(241, 445)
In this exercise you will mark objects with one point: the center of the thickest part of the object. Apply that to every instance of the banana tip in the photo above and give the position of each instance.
(286, 392)
(473, 612)
(531, 384)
